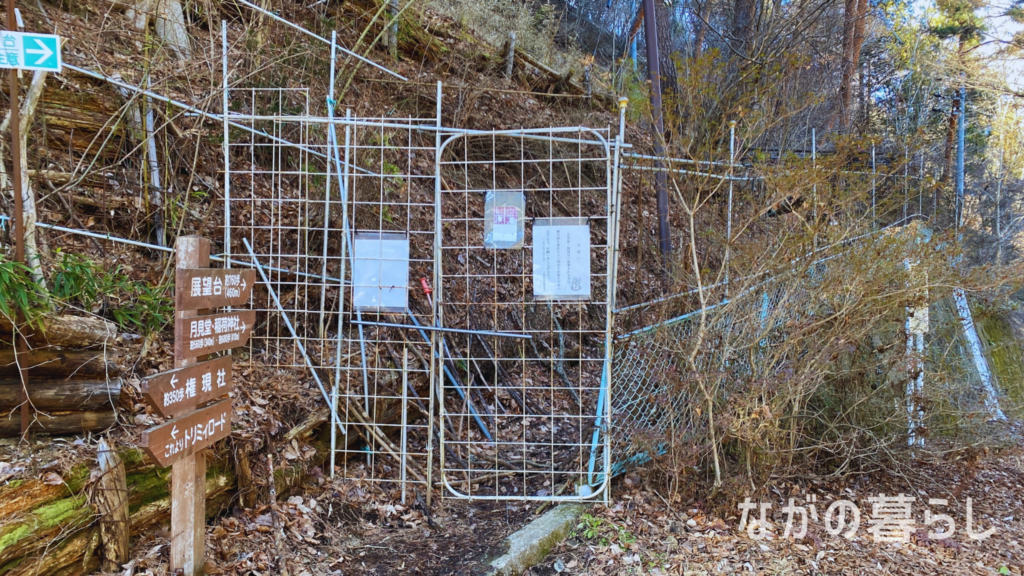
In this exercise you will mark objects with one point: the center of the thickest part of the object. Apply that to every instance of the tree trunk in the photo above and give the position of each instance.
(62, 395)
(698, 25)
(48, 529)
(743, 15)
(170, 27)
(59, 423)
(46, 363)
(666, 53)
(947, 159)
(72, 331)
(855, 14)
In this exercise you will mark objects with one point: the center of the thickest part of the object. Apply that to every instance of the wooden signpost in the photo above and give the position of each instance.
(184, 394)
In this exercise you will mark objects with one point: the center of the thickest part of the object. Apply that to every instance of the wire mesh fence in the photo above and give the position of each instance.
(508, 371)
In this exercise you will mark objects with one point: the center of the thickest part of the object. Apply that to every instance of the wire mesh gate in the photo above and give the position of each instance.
(340, 214)
(524, 258)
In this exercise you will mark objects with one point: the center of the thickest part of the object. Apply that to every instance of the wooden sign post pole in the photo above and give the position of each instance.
(188, 475)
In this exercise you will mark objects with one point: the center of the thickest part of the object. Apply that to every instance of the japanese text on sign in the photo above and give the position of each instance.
(210, 331)
(504, 211)
(199, 288)
(185, 435)
(207, 334)
(561, 259)
(26, 51)
(180, 390)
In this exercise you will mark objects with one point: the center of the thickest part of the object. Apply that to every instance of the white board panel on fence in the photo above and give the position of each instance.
(380, 273)
(561, 259)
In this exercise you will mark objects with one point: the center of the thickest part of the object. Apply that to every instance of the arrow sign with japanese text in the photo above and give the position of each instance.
(26, 51)
(177, 391)
(201, 335)
(185, 436)
(201, 288)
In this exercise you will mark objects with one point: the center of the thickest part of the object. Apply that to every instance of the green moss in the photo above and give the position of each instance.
(14, 484)
(147, 486)
(132, 458)
(4, 569)
(51, 514)
(76, 478)
(1005, 354)
(45, 517)
(14, 535)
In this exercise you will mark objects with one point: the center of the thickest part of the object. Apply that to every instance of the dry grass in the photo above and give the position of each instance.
(535, 27)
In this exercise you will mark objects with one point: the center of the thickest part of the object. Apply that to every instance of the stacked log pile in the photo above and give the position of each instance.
(71, 392)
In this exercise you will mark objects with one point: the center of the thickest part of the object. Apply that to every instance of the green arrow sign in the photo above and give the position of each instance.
(26, 51)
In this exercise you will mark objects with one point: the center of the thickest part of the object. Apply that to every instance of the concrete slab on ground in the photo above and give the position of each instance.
(533, 542)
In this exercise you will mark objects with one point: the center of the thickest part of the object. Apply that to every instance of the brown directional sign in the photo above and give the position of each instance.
(201, 288)
(187, 435)
(178, 391)
(201, 335)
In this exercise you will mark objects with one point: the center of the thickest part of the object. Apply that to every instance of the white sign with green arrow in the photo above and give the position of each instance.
(27, 51)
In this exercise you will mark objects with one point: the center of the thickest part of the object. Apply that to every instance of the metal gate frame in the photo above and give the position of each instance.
(593, 484)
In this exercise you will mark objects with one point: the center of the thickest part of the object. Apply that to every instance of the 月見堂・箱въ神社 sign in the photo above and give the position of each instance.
(28, 51)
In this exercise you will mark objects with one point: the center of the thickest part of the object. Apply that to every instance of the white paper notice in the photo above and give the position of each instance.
(380, 273)
(505, 224)
(503, 219)
(561, 259)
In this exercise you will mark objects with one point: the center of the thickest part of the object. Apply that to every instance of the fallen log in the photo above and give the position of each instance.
(32, 531)
(72, 331)
(83, 115)
(55, 395)
(50, 363)
(75, 555)
(50, 529)
(107, 203)
(57, 423)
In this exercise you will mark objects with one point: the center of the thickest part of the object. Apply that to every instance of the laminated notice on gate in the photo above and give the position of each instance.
(503, 219)
(380, 271)
(561, 259)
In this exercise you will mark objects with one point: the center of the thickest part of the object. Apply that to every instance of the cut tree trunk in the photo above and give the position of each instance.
(111, 496)
(47, 363)
(72, 331)
(58, 423)
(57, 395)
